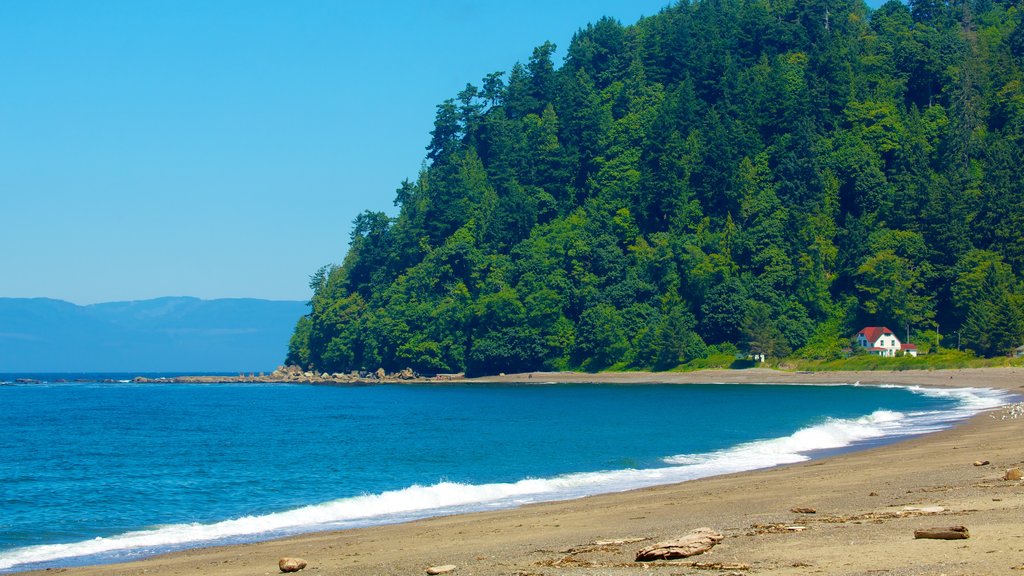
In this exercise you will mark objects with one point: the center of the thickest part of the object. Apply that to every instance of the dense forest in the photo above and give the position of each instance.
(725, 176)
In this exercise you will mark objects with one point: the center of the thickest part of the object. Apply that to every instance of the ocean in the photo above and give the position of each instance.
(94, 472)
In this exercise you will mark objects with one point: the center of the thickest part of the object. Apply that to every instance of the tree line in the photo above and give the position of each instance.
(724, 176)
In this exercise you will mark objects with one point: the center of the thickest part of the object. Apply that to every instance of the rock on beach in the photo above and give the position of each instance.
(291, 564)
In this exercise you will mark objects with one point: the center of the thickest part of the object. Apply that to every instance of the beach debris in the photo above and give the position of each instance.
(1013, 474)
(291, 564)
(757, 529)
(803, 510)
(696, 542)
(578, 563)
(433, 570)
(873, 494)
(869, 517)
(1013, 411)
(617, 541)
(981, 462)
(716, 565)
(945, 533)
(924, 509)
(612, 545)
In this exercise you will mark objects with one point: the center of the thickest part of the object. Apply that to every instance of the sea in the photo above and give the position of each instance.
(97, 469)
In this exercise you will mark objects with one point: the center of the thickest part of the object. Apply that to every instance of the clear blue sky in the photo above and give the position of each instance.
(219, 148)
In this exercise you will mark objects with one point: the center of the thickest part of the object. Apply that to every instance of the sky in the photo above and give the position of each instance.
(222, 148)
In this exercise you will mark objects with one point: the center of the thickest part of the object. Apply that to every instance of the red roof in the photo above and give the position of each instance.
(873, 333)
(908, 346)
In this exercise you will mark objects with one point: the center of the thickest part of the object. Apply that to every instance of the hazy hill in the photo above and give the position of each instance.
(165, 334)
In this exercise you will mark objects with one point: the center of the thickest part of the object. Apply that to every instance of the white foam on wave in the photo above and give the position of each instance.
(831, 434)
(450, 497)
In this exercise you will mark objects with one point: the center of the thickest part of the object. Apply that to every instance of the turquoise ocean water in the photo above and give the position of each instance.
(100, 472)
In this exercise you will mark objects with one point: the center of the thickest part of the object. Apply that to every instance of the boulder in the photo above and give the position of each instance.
(1013, 474)
(380, 374)
(696, 542)
(407, 374)
(441, 569)
(291, 564)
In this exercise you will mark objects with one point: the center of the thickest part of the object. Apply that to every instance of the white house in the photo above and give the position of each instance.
(881, 341)
(1018, 352)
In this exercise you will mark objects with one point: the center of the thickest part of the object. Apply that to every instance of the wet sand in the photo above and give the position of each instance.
(864, 501)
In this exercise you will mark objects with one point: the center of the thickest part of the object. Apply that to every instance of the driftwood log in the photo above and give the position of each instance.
(946, 533)
(696, 542)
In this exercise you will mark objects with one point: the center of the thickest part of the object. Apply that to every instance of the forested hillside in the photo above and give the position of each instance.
(728, 175)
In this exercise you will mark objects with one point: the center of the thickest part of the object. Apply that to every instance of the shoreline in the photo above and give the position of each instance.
(526, 540)
(923, 377)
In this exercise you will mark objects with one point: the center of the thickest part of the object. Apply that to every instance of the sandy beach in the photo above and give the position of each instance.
(867, 505)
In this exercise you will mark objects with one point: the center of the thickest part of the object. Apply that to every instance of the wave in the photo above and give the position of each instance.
(450, 498)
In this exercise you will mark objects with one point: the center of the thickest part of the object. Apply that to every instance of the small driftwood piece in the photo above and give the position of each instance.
(696, 542)
(945, 533)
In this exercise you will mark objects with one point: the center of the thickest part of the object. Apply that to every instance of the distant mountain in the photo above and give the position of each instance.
(175, 334)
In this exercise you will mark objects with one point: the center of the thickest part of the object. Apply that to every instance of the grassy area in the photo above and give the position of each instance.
(944, 360)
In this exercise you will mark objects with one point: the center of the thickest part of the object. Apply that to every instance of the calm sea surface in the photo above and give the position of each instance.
(94, 472)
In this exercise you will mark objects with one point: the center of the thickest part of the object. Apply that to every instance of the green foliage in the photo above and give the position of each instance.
(719, 179)
(298, 346)
(828, 342)
(995, 318)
